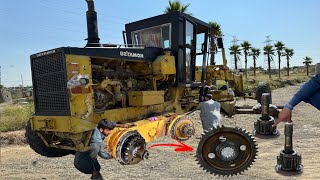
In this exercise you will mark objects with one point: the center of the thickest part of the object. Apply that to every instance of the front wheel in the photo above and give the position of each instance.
(39, 147)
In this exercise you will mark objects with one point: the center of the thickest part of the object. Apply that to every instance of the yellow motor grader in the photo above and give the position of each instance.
(151, 83)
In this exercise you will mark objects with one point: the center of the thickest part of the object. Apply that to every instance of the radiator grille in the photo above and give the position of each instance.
(50, 85)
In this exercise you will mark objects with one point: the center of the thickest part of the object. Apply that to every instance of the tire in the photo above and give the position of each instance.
(39, 147)
(263, 87)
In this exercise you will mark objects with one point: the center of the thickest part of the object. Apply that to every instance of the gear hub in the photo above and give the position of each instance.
(263, 126)
(131, 149)
(182, 129)
(226, 151)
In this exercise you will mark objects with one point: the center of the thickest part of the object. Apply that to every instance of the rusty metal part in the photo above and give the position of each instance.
(226, 151)
(273, 110)
(288, 161)
(263, 126)
(131, 149)
(187, 130)
(182, 129)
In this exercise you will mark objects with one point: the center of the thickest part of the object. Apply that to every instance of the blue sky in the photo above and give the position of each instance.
(32, 26)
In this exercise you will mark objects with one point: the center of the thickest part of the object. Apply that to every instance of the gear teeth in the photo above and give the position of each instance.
(222, 129)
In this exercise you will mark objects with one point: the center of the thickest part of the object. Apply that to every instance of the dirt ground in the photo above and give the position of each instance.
(20, 162)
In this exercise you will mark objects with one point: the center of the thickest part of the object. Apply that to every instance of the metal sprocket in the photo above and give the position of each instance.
(226, 151)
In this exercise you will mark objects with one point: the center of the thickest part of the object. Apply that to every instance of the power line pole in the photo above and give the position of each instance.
(268, 41)
(234, 61)
(234, 40)
(22, 81)
(266, 63)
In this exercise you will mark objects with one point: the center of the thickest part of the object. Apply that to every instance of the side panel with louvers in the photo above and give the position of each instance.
(49, 78)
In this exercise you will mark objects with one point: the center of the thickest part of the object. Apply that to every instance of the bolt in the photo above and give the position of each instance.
(211, 155)
(243, 147)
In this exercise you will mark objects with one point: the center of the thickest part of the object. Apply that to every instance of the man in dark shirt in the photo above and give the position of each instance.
(309, 93)
(87, 162)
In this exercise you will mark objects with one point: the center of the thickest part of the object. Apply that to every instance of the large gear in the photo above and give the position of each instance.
(226, 151)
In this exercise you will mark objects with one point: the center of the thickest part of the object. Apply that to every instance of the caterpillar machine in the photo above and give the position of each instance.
(160, 71)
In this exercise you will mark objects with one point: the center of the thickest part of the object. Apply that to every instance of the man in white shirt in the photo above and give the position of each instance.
(209, 112)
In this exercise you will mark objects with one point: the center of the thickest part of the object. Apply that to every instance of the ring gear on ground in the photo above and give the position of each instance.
(226, 151)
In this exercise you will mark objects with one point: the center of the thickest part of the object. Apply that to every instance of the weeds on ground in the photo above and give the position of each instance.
(14, 116)
(252, 82)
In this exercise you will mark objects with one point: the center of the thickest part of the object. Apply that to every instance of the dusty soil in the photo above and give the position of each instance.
(20, 162)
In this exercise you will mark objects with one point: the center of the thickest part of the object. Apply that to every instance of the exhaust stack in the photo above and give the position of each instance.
(92, 26)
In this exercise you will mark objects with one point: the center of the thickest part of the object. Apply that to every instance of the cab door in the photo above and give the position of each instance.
(190, 50)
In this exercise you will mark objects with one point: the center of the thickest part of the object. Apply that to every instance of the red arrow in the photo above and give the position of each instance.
(181, 147)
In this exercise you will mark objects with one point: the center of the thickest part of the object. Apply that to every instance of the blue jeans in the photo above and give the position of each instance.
(84, 163)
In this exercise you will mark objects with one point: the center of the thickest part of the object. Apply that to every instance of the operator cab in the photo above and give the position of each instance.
(185, 36)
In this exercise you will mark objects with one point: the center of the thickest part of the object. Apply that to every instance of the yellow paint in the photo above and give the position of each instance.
(145, 98)
(149, 130)
(132, 113)
(164, 65)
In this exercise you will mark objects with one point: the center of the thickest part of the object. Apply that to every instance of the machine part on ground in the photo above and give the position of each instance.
(131, 149)
(263, 126)
(226, 151)
(288, 161)
(181, 129)
(36, 143)
(263, 87)
(273, 110)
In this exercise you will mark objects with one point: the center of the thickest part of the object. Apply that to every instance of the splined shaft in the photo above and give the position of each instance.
(288, 132)
(265, 102)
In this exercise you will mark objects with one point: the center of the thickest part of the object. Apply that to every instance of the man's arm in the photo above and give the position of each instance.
(104, 154)
(122, 125)
(306, 91)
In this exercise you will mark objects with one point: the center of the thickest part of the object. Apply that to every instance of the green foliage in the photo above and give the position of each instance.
(235, 50)
(245, 46)
(307, 61)
(176, 6)
(252, 82)
(255, 52)
(279, 46)
(288, 53)
(217, 32)
(268, 50)
(14, 117)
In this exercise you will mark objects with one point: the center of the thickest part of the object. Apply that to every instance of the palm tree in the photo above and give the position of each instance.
(267, 50)
(235, 51)
(255, 52)
(279, 47)
(176, 6)
(307, 61)
(215, 32)
(288, 53)
(245, 47)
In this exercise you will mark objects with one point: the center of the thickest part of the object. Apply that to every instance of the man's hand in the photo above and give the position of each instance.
(122, 125)
(110, 154)
(284, 116)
